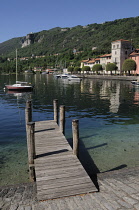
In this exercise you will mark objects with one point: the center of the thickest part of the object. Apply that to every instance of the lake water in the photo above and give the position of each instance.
(108, 113)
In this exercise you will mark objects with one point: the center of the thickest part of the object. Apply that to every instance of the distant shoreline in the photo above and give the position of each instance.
(106, 77)
(110, 77)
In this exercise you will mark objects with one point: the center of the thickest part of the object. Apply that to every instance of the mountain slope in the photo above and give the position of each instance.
(58, 40)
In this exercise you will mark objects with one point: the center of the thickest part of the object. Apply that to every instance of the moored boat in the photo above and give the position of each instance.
(64, 76)
(21, 86)
(57, 76)
(74, 78)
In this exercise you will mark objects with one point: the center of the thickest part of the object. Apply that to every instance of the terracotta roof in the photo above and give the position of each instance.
(84, 61)
(134, 53)
(91, 61)
(122, 40)
(106, 55)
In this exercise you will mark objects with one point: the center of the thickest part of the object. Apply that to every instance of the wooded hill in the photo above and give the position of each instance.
(81, 38)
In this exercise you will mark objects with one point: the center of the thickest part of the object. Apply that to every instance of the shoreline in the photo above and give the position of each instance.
(110, 77)
(101, 175)
(125, 181)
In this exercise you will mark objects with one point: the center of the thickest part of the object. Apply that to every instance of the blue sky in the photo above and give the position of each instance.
(18, 18)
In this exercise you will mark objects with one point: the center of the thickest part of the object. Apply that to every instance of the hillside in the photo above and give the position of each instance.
(83, 38)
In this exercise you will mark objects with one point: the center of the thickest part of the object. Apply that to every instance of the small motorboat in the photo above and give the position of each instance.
(44, 72)
(57, 76)
(74, 78)
(64, 76)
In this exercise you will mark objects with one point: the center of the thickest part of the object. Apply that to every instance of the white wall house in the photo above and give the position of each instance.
(90, 62)
(104, 60)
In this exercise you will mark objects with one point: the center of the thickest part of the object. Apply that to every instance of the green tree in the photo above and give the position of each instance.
(97, 67)
(111, 67)
(86, 68)
(77, 69)
(70, 69)
(129, 65)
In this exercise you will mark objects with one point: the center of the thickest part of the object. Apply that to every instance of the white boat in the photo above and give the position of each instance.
(44, 72)
(64, 76)
(74, 78)
(21, 86)
(57, 76)
(135, 82)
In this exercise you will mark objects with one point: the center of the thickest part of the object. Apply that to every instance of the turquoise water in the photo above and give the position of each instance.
(108, 113)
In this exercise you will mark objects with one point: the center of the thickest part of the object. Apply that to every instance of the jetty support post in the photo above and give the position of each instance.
(75, 133)
(55, 105)
(31, 149)
(62, 119)
(28, 111)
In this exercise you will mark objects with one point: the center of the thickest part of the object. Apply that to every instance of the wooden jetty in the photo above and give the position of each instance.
(58, 171)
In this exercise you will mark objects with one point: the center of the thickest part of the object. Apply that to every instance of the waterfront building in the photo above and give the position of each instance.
(90, 62)
(120, 50)
(104, 60)
(135, 56)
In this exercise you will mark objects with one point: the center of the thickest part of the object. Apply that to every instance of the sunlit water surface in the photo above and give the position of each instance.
(108, 113)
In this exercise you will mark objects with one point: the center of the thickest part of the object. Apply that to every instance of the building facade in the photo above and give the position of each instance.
(135, 56)
(104, 60)
(90, 62)
(120, 50)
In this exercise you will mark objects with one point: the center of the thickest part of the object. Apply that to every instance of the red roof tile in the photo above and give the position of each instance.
(91, 61)
(122, 40)
(134, 53)
(106, 55)
(84, 61)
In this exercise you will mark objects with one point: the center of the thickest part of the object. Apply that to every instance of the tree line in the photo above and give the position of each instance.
(128, 66)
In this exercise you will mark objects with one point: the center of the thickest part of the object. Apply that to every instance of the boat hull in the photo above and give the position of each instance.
(74, 78)
(20, 88)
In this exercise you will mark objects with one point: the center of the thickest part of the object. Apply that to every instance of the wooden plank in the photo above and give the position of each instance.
(51, 162)
(65, 191)
(55, 154)
(65, 181)
(59, 161)
(63, 186)
(58, 172)
(61, 176)
(56, 157)
(44, 146)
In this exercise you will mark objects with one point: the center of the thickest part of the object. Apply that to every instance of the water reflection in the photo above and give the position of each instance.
(23, 94)
(136, 95)
(108, 113)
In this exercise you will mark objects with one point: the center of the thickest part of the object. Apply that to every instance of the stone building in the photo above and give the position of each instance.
(120, 50)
